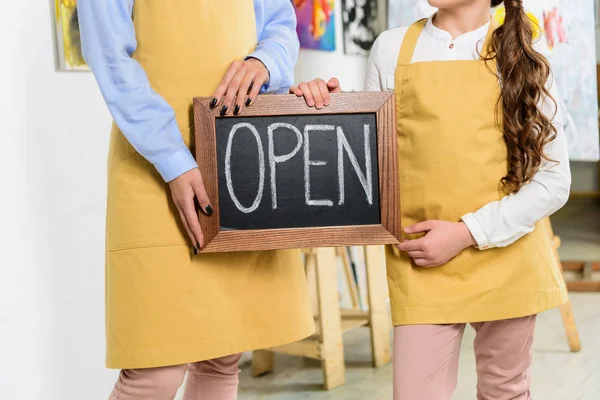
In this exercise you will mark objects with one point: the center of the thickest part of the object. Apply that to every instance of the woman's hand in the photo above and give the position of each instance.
(444, 241)
(316, 92)
(240, 85)
(184, 189)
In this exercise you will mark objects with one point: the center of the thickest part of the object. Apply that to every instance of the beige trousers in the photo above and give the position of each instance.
(426, 360)
(207, 380)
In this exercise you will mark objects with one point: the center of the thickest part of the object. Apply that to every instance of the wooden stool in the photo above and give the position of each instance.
(331, 322)
(565, 310)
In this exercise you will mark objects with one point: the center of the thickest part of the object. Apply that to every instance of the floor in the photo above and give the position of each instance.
(557, 373)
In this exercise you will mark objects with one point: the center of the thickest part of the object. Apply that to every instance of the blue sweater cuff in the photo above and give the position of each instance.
(176, 164)
(274, 82)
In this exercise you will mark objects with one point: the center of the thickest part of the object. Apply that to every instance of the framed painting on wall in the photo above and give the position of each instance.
(364, 20)
(316, 24)
(68, 42)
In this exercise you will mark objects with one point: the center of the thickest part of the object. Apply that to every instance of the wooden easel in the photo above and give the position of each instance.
(327, 344)
(565, 310)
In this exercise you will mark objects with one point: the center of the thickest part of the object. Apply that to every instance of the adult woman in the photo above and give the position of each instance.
(166, 305)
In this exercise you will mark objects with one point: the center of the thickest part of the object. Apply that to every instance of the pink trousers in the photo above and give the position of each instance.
(426, 360)
(207, 380)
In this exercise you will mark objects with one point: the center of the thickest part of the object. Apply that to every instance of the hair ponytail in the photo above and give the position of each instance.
(523, 73)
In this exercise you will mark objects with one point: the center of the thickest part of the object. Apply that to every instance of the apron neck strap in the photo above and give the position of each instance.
(414, 32)
(410, 42)
(488, 39)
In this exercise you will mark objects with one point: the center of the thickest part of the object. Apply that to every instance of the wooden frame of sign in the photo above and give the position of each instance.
(388, 231)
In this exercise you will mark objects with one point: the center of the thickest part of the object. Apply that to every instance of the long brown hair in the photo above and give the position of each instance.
(523, 73)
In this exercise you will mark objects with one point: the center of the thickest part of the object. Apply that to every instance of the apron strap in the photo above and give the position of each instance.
(488, 39)
(410, 42)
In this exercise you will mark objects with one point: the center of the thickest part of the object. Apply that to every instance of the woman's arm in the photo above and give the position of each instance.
(278, 43)
(145, 118)
(501, 223)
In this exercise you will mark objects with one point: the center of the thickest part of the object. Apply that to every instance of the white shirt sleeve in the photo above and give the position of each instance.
(501, 223)
(373, 78)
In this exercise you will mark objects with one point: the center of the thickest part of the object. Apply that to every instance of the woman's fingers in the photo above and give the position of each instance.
(191, 217)
(224, 84)
(187, 229)
(259, 80)
(202, 197)
(232, 90)
(242, 93)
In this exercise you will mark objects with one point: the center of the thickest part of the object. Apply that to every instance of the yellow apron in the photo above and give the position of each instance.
(165, 306)
(451, 159)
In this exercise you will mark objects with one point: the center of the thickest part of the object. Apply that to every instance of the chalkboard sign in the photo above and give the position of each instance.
(284, 175)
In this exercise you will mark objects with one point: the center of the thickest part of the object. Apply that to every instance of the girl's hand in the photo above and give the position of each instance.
(444, 241)
(184, 189)
(316, 92)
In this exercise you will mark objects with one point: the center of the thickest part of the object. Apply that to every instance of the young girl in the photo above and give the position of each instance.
(482, 159)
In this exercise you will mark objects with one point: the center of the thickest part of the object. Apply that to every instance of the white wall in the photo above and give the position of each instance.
(54, 145)
(350, 70)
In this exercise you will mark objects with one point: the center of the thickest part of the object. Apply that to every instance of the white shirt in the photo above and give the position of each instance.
(499, 223)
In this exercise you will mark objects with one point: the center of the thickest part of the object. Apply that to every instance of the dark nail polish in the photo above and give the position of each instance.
(209, 210)
(198, 246)
(248, 102)
(213, 103)
(195, 251)
(223, 110)
(236, 109)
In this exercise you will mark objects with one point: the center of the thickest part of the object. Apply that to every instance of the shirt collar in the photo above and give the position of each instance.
(438, 33)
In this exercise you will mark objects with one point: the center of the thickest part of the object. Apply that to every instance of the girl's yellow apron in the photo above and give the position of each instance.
(165, 306)
(451, 158)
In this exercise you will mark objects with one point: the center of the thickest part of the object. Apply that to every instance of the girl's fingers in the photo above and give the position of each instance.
(308, 96)
(412, 245)
(295, 90)
(316, 92)
(324, 90)
(422, 262)
(334, 86)
(416, 254)
(421, 227)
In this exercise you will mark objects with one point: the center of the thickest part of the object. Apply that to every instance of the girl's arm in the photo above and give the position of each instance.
(501, 223)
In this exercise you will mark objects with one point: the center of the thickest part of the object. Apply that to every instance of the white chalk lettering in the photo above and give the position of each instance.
(274, 160)
(366, 179)
(308, 163)
(261, 168)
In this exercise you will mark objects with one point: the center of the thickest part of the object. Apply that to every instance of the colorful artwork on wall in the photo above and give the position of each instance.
(316, 24)
(364, 20)
(567, 39)
(67, 36)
